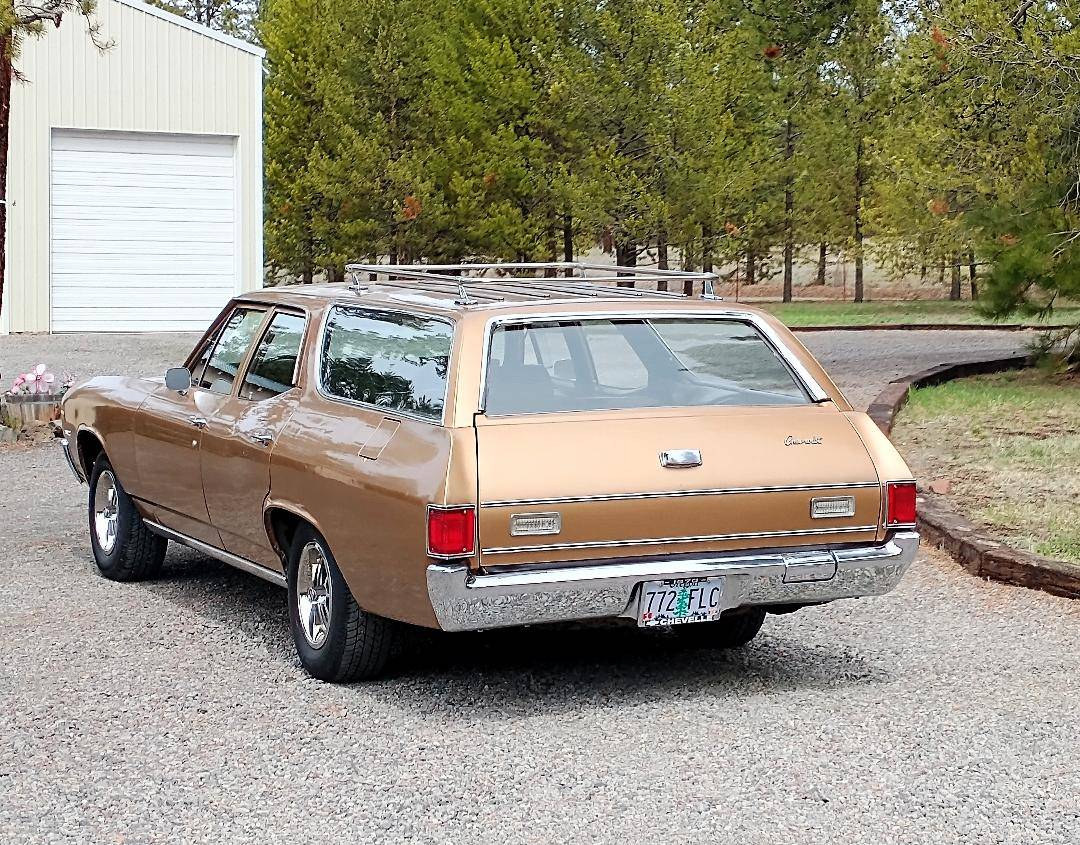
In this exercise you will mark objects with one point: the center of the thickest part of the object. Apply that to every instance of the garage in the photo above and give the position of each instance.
(143, 231)
(134, 196)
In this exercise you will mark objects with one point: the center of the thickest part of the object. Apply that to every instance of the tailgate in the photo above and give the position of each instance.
(587, 486)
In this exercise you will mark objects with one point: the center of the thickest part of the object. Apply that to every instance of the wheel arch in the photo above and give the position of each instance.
(89, 444)
(282, 522)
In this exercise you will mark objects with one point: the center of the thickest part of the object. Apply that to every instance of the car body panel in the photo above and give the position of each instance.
(364, 476)
(603, 474)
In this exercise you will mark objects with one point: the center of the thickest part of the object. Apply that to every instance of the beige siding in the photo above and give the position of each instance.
(158, 75)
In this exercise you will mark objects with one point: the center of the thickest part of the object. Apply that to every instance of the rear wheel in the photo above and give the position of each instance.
(732, 630)
(335, 639)
(124, 548)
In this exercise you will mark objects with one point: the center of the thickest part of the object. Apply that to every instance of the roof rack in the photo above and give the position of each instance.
(477, 283)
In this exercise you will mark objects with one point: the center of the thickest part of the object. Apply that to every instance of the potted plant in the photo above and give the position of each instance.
(34, 398)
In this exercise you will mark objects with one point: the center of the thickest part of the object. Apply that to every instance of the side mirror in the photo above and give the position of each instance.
(178, 378)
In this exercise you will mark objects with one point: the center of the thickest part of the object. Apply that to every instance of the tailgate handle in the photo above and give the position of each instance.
(812, 566)
(680, 458)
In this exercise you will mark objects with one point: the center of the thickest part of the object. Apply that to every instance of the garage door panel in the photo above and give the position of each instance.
(147, 198)
(148, 181)
(142, 231)
(122, 264)
(128, 215)
(177, 247)
(144, 299)
(163, 320)
(140, 143)
(193, 281)
(106, 162)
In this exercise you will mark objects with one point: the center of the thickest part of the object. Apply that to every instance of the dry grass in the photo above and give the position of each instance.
(1009, 445)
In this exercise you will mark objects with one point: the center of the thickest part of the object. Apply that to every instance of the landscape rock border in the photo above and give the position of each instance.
(929, 327)
(955, 534)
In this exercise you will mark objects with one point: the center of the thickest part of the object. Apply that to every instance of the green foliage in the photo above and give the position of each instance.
(484, 128)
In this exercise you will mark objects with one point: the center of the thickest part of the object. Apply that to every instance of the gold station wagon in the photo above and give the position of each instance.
(465, 447)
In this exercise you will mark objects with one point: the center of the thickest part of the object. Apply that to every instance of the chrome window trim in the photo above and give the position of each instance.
(657, 541)
(288, 310)
(801, 374)
(386, 412)
(718, 491)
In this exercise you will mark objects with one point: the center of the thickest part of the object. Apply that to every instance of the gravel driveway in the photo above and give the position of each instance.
(175, 710)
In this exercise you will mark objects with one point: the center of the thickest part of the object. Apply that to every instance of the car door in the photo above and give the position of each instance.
(240, 436)
(169, 427)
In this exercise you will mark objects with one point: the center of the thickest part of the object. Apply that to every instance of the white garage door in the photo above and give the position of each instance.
(143, 231)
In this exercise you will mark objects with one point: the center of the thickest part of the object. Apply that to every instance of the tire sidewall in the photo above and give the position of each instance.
(112, 561)
(323, 662)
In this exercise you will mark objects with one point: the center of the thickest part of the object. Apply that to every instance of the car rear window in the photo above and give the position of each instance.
(388, 359)
(592, 365)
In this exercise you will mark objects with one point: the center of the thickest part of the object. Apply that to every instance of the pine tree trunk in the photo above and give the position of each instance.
(972, 274)
(6, 73)
(706, 247)
(789, 212)
(941, 273)
(859, 177)
(954, 289)
(822, 258)
(751, 267)
(626, 256)
(568, 241)
(661, 258)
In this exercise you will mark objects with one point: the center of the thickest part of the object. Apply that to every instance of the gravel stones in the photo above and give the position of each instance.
(175, 710)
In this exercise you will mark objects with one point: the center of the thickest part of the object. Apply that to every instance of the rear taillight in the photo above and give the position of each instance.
(900, 503)
(451, 531)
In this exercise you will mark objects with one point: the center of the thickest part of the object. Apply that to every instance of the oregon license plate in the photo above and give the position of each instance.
(680, 601)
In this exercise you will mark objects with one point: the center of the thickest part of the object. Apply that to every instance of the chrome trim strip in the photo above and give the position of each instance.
(674, 494)
(656, 541)
(801, 374)
(236, 561)
(66, 446)
(465, 601)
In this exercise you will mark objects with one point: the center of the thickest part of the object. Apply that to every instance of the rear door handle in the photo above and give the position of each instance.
(198, 422)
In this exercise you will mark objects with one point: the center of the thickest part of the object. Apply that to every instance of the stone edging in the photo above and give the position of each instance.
(929, 327)
(955, 534)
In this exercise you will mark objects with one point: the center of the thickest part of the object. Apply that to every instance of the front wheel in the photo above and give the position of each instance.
(124, 548)
(335, 639)
(732, 630)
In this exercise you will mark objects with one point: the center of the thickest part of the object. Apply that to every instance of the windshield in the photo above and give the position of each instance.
(592, 365)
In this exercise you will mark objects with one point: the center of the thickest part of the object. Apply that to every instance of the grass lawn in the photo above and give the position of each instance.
(885, 313)
(1009, 444)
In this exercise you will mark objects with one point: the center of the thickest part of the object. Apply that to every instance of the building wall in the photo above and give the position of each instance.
(158, 74)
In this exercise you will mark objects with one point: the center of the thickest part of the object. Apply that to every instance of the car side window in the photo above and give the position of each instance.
(392, 360)
(232, 345)
(273, 366)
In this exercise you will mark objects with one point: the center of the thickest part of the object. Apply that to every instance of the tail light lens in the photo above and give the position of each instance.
(451, 532)
(900, 503)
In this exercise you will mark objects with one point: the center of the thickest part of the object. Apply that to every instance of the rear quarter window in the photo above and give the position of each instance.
(387, 359)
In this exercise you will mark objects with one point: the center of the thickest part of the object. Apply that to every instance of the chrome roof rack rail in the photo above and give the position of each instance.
(538, 280)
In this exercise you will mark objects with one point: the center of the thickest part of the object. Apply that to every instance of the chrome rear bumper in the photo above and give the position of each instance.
(467, 602)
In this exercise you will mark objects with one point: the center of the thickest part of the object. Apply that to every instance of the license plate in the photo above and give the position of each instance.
(680, 601)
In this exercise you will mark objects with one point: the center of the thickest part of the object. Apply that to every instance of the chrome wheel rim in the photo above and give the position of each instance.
(106, 511)
(313, 592)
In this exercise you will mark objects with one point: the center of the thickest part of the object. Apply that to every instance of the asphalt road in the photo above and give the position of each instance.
(175, 711)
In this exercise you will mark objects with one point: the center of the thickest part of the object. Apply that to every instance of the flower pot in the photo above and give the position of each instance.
(26, 410)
